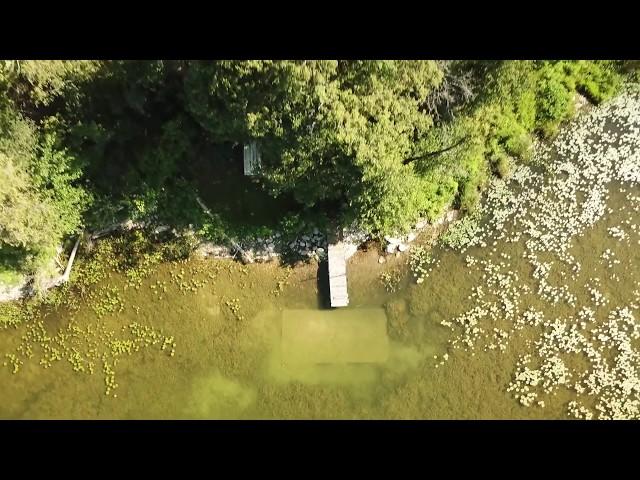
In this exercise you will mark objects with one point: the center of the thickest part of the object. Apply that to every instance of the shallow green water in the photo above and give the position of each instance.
(229, 368)
(229, 362)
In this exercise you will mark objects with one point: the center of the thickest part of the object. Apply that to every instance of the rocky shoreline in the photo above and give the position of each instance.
(312, 245)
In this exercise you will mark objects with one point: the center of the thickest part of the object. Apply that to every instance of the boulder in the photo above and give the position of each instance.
(391, 248)
(349, 250)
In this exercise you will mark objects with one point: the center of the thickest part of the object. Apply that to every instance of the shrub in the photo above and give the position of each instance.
(179, 249)
(525, 109)
(470, 197)
(501, 165)
(555, 97)
(597, 80)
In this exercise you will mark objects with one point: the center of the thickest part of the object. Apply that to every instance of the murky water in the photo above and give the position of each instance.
(232, 360)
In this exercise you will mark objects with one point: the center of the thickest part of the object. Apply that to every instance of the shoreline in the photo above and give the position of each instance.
(311, 246)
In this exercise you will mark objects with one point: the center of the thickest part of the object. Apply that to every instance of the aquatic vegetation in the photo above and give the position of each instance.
(543, 302)
(390, 279)
(234, 306)
(598, 152)
(462, 233)
(83, 347)
(283, 281)
(419, 261)
(11, 314)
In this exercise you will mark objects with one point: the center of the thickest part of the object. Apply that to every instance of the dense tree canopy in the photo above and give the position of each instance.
(333, 132)
(378, 143)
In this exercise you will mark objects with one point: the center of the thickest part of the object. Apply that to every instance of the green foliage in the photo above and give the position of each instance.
(464, 231)
(470, 197)
(332, 132)
(502, 165)
(47, 79)
(214, 230)
(558, 83)
(179, 249)
(94, 142)
(556, 93)
(518, 99)
(597, 80)
(41, 202)
(9, 277)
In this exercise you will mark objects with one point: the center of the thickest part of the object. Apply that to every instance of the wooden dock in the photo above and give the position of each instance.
(337, 275)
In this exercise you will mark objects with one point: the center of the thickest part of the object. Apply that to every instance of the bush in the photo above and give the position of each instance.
(501, 165)
(556, 93)
(179, 249)
(9, 278)
(526, 110)
(598, 80)
(470, 197)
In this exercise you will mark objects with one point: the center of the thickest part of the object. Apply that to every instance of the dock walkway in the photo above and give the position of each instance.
(337, 275)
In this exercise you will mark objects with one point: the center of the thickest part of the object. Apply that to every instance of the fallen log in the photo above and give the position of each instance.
(72, 257)
(246, 257)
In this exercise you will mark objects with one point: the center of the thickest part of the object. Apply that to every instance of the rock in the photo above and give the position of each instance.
(393, 240)
(391, 248)
(271, 246)
(581, 102)
(452, 215)
(421, 224)
(320, 250)
(277, 235)
(306, 238)
(292, 245)
(209, 249)
(403, 247)
(160, 229)
(302, 244)
(381, 259)
(411, 237)
(315, 231)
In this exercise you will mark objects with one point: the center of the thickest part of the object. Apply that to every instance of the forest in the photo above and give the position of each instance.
(371, 144)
